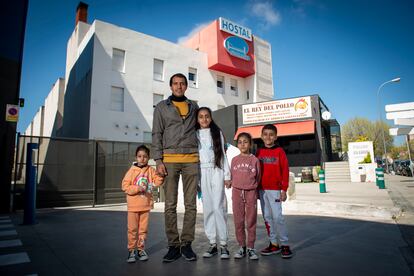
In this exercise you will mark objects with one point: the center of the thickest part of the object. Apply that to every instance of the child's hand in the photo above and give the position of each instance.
(142, 188)
(283, 196)
(227, 183)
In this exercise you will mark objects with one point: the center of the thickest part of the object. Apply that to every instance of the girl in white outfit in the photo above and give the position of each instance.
(215, 175)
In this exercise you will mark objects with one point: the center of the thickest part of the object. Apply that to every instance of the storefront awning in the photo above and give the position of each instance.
(283, 129)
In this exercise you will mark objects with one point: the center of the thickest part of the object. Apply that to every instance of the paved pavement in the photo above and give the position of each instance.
(328, 234)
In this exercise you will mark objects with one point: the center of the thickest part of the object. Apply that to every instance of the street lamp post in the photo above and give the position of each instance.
(380, 119)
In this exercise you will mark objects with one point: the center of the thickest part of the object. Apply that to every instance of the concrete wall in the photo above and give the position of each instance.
(53, 112)
(263, 91)
(77, 94)
(37, 123)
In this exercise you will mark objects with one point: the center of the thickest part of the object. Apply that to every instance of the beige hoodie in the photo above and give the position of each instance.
(133, 184)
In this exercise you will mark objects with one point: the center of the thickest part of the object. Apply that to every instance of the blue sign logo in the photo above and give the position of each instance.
(237, 47)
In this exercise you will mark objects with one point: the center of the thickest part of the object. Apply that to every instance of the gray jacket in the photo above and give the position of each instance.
(171, 133)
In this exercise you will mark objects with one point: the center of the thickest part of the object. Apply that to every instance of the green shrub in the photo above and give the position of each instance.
(367, 159)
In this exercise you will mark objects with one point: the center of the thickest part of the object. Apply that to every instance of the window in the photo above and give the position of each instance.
(220, 84)
(233, 87)
(247, 94)
(158, 69)
(117, 99)
(192, 77)
(118, 60)
(147, 137)
(156, 98)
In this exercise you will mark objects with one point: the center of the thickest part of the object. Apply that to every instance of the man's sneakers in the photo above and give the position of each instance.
(142, 255)
(286, 253)
(270, 250)
(173, 254)
(211, 251)
(131, 256)
(241, 253)
(224, 252)
(188, 252)
(252, 254)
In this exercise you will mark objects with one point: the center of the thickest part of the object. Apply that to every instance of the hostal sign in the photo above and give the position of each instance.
(236, 45)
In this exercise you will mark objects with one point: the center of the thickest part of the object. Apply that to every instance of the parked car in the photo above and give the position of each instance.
(406, 168)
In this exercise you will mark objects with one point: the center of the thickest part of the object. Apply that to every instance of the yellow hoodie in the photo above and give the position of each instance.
(137, 184)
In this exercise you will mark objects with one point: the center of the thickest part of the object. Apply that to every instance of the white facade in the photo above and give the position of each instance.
(37, 123)
(124, 73)
(48, 119)
(53, 109)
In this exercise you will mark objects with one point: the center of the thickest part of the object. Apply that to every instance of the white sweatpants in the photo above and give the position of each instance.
(214, 205)
(272, 214)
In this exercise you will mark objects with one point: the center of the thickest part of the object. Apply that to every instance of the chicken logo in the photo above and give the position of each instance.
(301, 106)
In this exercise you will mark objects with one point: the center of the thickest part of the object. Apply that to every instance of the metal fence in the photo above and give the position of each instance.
(73, 172)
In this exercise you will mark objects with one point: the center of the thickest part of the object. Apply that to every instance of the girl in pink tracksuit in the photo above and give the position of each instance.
(245, 175)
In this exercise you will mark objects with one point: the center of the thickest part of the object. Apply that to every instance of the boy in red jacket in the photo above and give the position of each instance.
(272, 190)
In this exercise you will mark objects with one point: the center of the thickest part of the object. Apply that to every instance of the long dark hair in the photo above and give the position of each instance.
(215, 136)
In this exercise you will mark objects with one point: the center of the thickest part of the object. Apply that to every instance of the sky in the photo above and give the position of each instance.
(341, 50)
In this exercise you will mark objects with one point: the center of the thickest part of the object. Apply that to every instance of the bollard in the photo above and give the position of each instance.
(379, 172)
(322, 186)
(29, 216)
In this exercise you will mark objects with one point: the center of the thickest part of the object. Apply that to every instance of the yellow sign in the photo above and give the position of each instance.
(12, 113)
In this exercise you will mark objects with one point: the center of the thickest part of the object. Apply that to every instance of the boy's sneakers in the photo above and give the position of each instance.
(224, 252)
(270, 250)
(241, 253)
(142, 255)
(286, 253)
(188, 252)
(252, 254)
(131, 256)
(172, 254)
(211, 251)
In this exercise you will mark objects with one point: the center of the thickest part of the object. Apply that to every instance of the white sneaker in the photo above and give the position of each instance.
(142, 255)
(131, 256)
(241, 253)
(212, 250)
(252, 254)
(224, 252)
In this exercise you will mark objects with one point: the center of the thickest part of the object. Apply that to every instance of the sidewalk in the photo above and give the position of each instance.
(92, 241)
(357, 200)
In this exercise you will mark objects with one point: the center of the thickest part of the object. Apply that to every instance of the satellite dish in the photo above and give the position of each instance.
(326, 115)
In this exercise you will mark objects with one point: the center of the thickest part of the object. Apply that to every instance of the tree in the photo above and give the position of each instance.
(399, 152)
(362, 129)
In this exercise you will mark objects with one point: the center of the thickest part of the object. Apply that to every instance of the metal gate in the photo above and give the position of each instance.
(74, 172)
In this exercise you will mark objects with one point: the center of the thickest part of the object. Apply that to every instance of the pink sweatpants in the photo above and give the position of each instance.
(245, 215)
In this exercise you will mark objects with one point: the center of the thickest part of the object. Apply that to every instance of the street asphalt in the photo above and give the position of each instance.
(341, 232)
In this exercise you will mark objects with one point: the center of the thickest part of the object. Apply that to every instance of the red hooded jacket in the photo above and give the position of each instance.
(274, 167)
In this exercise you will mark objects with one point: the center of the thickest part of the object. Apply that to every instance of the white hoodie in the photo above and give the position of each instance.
(206, 151)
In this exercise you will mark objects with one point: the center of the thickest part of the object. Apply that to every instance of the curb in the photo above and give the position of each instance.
(341, 209)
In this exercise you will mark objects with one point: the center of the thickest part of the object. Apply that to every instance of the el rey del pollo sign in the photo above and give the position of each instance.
(277, 110)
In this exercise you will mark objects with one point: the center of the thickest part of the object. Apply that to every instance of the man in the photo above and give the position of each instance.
(175, 151)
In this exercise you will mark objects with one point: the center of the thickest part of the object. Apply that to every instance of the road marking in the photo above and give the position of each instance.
(17, 258)
(10, 243)
(4, 226)
(8, 233)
